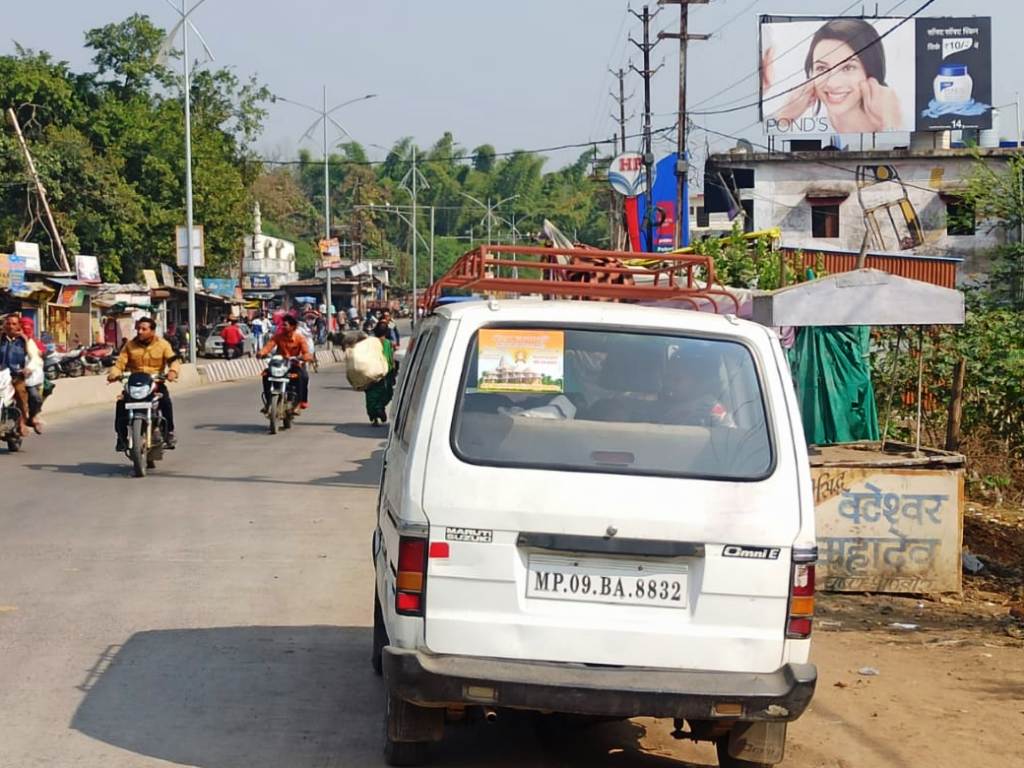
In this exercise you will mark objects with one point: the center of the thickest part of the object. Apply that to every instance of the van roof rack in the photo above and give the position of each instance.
(586, 274)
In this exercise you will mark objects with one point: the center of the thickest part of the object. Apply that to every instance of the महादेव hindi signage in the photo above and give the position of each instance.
(824, 76)
(888, 530)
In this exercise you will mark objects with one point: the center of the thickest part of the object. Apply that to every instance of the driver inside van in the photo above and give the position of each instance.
(690, 396)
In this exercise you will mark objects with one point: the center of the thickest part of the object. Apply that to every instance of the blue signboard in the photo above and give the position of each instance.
(259, 281)
(12, 272)
(221, 286)
(664, 194)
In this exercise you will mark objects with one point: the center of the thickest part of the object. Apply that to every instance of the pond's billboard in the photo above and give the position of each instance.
(823, 76)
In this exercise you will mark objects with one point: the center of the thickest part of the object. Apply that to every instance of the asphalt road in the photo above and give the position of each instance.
(216, 613)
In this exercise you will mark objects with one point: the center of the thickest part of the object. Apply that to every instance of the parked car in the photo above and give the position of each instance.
(214, 344)
(596, 510)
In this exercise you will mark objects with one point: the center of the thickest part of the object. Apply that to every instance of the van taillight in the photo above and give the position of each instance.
(801, 595)
(412, 576)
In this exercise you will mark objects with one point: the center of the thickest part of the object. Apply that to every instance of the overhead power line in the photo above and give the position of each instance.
(458, 158)
(823, 163)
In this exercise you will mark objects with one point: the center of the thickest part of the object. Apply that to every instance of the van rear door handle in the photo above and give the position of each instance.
(606, 545)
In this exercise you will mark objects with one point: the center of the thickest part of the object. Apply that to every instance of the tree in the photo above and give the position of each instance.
(994, 195)
(483, 158)
(128, 50)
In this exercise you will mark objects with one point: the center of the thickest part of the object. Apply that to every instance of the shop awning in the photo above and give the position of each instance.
(861, 297)
(33, 291)
(70, 296)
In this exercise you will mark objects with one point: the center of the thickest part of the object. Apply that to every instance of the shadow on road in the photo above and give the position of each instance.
(238, 696)
(241, 429)
(301, 697)
(84, 468)
(366, 473)
(362, 429)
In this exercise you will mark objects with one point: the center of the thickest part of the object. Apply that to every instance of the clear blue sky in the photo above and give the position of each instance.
(515, 73)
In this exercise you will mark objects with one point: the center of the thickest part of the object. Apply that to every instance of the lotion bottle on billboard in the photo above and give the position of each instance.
(953, 84)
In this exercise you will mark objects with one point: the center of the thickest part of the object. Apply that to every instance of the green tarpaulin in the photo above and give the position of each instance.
(832, 372)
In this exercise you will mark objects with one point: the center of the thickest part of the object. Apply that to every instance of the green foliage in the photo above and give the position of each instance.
(991, 342)
(109, 146)
(994, 195)
(458, 184)
(745, 263)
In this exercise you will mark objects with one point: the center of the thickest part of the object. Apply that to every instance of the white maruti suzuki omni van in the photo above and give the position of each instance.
(595, 509)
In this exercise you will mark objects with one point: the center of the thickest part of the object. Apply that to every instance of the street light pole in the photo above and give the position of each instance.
(414, 233)
(325, 115)
(327, 220)
(192, 331)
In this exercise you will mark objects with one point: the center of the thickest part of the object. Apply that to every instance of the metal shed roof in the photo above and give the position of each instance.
(861, 297)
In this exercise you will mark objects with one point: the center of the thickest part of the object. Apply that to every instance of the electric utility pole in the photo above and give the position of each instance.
(682, 167)
(622, 98)
(411, 182)
(646, 17)
(60, 255)
(616, 229)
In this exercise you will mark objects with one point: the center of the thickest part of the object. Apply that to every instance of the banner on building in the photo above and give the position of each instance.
(824, 76)
(167, 275)
(87, 268)
(259, 281)
(221, 286)
(149, 275)
(12, 272)
(30, 252)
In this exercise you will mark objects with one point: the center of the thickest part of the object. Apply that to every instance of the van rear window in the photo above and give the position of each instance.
(614, 402)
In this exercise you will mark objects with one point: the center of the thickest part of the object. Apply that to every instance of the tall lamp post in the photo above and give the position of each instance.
(325, 116)
(489, 208)
(184, 24)
(401, 210)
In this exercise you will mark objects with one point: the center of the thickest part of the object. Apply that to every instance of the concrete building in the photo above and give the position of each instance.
(905, 200)
(269, 262)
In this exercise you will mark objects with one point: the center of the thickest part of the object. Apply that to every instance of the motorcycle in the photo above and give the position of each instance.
(284, 397)
(51, 363)
(146, 426)
(10, 413)
(69, 364)
(99, 356)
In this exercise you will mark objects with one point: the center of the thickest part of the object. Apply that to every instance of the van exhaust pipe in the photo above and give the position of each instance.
(490, 715)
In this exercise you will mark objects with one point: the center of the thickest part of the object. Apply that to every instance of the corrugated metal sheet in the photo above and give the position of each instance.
(937, 271)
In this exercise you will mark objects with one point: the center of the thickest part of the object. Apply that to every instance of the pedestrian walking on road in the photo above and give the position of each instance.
(393, 335)
(379, 395)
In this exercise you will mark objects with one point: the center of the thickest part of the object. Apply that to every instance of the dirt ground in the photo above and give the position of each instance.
(949, 688)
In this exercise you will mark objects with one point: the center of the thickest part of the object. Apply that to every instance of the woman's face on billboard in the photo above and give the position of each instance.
(839, 77)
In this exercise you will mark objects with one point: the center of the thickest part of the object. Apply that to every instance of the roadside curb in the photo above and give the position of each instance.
(246, 367)
(94, 390)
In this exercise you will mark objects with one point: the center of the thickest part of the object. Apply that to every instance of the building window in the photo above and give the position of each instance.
(825, 221)
(960, 217)
(748, 218)
(703, 217)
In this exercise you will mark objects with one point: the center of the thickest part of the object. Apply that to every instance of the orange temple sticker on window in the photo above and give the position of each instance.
(521, 360)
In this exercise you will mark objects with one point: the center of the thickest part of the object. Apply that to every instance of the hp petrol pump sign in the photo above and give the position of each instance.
(626, 174)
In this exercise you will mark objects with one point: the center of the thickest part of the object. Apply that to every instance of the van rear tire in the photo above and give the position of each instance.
(725, 760)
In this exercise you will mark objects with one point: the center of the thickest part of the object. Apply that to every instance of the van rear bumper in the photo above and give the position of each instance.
(431, 680)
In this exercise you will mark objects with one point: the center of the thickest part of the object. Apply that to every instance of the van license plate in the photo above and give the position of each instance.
(605, 580)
